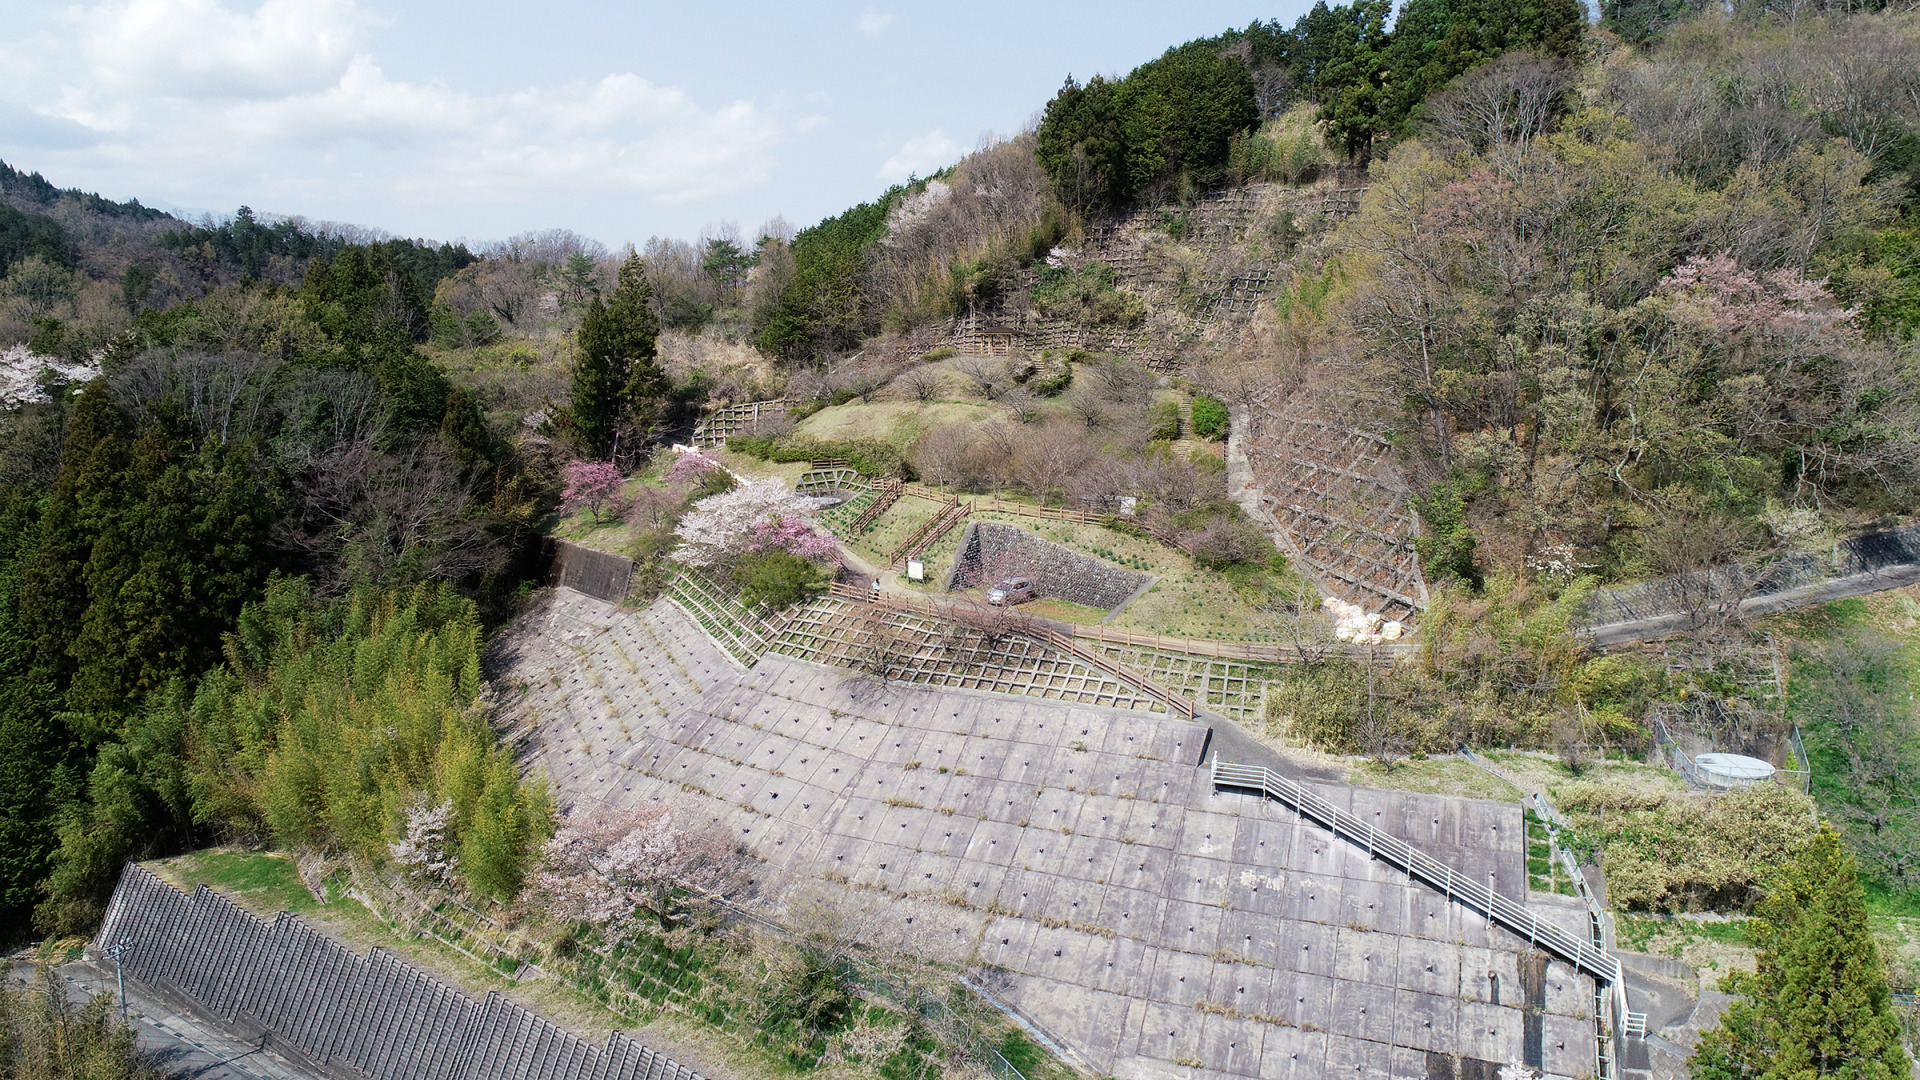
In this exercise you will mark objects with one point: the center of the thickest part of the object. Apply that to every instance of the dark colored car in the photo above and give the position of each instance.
(1013, 590)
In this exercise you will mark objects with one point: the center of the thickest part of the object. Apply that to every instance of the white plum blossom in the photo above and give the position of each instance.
(724, 525)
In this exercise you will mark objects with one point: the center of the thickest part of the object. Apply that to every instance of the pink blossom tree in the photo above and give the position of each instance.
(604, 865)
(689, 468)
(594, 486)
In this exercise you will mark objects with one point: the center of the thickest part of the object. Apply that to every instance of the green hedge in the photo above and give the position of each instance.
(1209, 418)
(868, 457)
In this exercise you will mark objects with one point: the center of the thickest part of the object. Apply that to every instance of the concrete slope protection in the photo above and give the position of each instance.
(318, 1003)
(1151, 924)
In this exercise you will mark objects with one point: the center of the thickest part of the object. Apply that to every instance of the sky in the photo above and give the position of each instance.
(478, 120)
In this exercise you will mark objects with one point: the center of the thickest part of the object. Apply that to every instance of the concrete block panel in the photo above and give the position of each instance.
(1231, 1044)
(1426, 1021)
(1190, 927)
(1365, 957)
(1288, 1053)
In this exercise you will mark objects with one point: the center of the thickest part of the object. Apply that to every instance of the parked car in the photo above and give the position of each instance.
(1013, 590)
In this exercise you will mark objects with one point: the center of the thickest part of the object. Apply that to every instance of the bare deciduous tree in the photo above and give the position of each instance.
(921, 383)
(987, 374)
(1023, 407)
(1045, 456)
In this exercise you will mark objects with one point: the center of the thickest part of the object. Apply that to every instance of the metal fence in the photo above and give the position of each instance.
(1586, 957)
(1727, 586)
(1797, 774)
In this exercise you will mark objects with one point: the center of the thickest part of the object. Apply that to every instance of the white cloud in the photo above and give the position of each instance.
(873, 20)
(919, 156)
(289, 97)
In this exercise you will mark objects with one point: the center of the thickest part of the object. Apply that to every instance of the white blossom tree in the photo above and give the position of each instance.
(725, 525)
(422, 847)
(604, 865)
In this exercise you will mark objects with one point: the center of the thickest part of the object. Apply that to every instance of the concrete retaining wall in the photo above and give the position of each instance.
(990, 551)
(354, 1017)
(599, 574)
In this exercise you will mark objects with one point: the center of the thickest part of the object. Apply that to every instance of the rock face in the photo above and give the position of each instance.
(990, 551)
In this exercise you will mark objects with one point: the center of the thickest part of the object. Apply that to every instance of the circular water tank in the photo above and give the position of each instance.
(1732, 770)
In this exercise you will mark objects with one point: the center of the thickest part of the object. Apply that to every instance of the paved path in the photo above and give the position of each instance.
(1822, 592)
(178, 1044)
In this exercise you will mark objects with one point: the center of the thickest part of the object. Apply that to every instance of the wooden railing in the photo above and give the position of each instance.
(1177, 704)
(1258, 652)
(950, 515)
(890, 492)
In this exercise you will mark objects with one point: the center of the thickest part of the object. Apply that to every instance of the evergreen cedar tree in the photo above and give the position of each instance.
(120, 578)
(1103, 143)
(823, 307)
(1107, 142)
(1817, 1004)
(616, 373)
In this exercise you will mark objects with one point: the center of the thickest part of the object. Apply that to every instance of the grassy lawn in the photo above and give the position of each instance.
(896, 422)
(1713, 947)
(263, 882)
(1434, 776)
(1545, 772)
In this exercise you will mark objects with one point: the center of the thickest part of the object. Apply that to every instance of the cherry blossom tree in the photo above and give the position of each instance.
(689, 468)
(594, 486)
(605, 865)
(422, 847)
(752, 517)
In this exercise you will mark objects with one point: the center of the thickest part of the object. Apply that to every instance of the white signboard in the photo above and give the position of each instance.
(916, 570)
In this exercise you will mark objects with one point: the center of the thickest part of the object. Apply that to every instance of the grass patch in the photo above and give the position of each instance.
(1435, 776)
(1854, 669)
(896, 422)
(1896, 903)
(263, 880)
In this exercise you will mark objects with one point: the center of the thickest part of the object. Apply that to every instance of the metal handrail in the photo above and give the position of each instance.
(1596, 962)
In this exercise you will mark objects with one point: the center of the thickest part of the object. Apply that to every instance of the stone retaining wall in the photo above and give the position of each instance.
(990, 551)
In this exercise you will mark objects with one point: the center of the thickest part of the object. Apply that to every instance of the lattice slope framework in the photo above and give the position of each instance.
(1201, 270)
(1137, 916)
(1335, 500)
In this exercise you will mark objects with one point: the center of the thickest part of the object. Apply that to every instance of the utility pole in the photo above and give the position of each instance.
(118, 950)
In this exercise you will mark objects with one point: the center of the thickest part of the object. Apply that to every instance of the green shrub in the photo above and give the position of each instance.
(934, 356)
(1090, 295)
(1054, 372)
(1209, 418)
(868, 457)
(1682, 852)
(1446, 545)
(1163, 421)
(777, 579)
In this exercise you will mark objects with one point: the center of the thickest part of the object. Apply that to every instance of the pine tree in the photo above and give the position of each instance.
(616, 376)
(1817, 1005)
